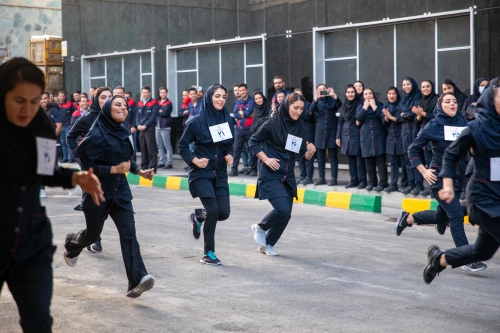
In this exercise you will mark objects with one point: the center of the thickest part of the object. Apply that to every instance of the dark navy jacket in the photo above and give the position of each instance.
(373, 134)
(66, 110)
(326, 121)
(309, 122)
(212, 180)
(270, 183)
(132, 112)
(164, 119)
(147, 113)
(348, 133)
(394, 142)
(53, 112)
(409, 127)
(247, 107)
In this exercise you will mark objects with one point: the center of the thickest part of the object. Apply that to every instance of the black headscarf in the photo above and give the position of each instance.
(276, 129)
(94, 107)
(411, 99)
(486, 128)
(394, 108)
(348, 109)
(360, 96)
(475, 93)
(459, 95)
(107, 142)
(434, 130)
(428, 103)
(18, 144)
(261, 111)
(209, 116)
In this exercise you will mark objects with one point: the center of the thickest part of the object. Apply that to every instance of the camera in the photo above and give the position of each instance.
(323, 93)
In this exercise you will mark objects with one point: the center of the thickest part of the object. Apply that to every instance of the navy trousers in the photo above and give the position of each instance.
(217, 209)
(334, 162)
(398, 161)
(275, 222)
(357, 169)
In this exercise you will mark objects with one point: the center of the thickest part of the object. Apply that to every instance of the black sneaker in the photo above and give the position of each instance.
(247, 171)
(415, 191)
(474, 267)
(432, 251)
(391, 188)
(351, 185)
(300, 179)
(210, 259)
(320, 181)
(233, 174)
(161, 165)
(332, 182)
(425, 192)
(72, 160)
(362, 186)
(95, 248)
(307, 181)
(401, 223)
(407, 190)
(433, 266)
(196, 226)
(253, 173)
(242, 171)
(440, 228)
(369, 187)
(78, 208)
(378, 188)
(168, 166)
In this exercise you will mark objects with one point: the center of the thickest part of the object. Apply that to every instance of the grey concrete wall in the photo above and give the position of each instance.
(21, 19)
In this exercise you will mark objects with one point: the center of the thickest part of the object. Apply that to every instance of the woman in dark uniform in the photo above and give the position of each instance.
(108, 149)
(483, 189)
(212, 133)
(26, 248)
(348, 138)
(373, 136)
(324, 107)
(275, 144)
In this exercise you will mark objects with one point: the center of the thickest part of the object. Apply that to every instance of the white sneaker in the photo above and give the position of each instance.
(270, 251)
(259, 235)
(72, 192)
(43, 194)
(71, 262)
(147, 282)
(261, 248)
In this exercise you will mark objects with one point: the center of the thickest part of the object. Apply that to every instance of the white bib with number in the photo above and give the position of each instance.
(46, 153)
(495, 169)
(293, 143)
(220, 132)
(452, 133)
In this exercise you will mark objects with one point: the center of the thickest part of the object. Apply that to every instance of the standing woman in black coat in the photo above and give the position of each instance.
(373, 136)
(324, 107)
(212, 133)
(394, 144)
(26, 248)
(276, 143)
(348, 138)
(108, 149)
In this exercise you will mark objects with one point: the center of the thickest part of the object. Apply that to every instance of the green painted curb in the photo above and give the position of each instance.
(366, 203)
(159, 181)
(133, 179)
(434, 204)
(184, 184)
(315, 197)
(239, 189)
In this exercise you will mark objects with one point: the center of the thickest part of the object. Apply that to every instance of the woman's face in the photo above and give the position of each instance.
(163, 94)
(295, 109)
(280, 97)
(22, 103)
(104, 96)
(448, 88)
(219, 97)
(449, 105)
(322, 88)
(119, 110)
(426, 88)
(350, 94)
(392, 96)
(258, 99)
(359, 88)
(407, 86)
(482, 84)
(368, 95)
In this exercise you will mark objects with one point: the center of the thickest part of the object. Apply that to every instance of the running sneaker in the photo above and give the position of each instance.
(270, 251)
(401, 223)
(441, 228)
(195, 225)
(261, 248)
(43, 194)
(71, 262)
(433, 266)
(474, 267)
(210, 259)
(259, 235)
(147, 282)
(94, 248)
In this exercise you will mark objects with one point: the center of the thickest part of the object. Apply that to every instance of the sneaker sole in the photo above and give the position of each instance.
(271, 254)
(263, 250)
(68, 260)
(467, 268)
(401, 212)
(141, 288)
(209, 263)
(255, 235)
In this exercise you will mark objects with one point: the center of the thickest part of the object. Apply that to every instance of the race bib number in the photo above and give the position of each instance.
(46, 153)
(220, 132)
(293, 143)
(495, 169)
(452, 133)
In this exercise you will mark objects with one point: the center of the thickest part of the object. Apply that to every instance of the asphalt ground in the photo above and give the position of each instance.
(338, 271)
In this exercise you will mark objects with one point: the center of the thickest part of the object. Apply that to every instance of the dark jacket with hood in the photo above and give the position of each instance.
(373, 134)
(325, 109)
